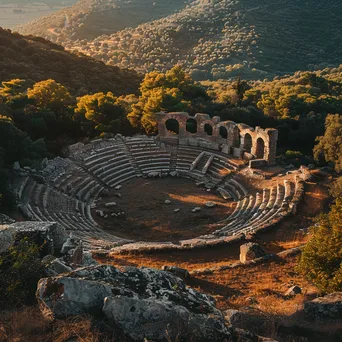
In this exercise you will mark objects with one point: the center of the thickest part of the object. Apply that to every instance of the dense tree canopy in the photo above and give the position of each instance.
(50, 95)
(104, 111)
(330, 145)
(321, 260)
(170, 91)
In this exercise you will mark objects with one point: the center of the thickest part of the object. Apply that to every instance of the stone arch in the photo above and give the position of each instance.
(223, 132)
(191, 126)
(236, 139)
(208, 129)
(260, 148)
(172, 125)
(248, 143)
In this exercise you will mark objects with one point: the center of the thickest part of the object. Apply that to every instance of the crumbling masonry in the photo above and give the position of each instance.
(240, 140)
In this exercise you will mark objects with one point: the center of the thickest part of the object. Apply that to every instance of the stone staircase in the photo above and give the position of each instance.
(202, 163)
(173, 160)
(130, 157)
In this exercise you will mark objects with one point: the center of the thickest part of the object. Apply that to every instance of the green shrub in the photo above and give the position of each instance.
(20, 270)
(292, 154)
(321, 260)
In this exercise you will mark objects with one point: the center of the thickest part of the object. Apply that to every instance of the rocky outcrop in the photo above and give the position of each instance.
(250, 251)
(50, 235)
(329, 306)
(144, 303)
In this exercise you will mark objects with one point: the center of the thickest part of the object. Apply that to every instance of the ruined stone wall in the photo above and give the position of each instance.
(231, 138)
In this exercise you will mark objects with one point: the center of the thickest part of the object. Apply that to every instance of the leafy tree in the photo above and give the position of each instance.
(321, 260)
(17, 146)
(170, 91)
(12, 87)
(330, 145)
(50, 94)
(336, 188)
(104, 111)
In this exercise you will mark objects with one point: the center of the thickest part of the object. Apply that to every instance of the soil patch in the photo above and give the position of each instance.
(148, 218)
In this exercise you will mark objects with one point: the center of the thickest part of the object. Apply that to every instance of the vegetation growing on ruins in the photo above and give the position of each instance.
(322, 255)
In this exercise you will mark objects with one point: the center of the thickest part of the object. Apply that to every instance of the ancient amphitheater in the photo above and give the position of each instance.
(224, 159)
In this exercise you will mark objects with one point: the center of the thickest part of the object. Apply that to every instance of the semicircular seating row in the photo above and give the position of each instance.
(72, 185)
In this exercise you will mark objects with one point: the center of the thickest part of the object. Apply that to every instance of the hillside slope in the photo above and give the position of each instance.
(35, 59)
(225, 38)
(88, 19)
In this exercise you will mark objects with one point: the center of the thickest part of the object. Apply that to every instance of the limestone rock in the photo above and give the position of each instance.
(153, 174)
(167, 202)
(250, 251)
(143, 302)
(210, 204)
(88, 259)
(294, 290)
(110, 204)
(329, 306)
(161, 320)
(56, 267)
(75, 256)
(50, 235)
(176, 210)
(224, 193)
(69, 244)
(62, 296)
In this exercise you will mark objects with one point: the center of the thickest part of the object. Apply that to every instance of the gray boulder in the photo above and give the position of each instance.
(50, 235)
(329, 306)
(69, 244)
(63, 296)
(162, 320)
(144, 302)
(250, 251)
(56, 267)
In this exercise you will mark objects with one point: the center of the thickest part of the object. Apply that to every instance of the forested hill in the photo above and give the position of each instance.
(218, 38)
(35, 59)
(88, 19)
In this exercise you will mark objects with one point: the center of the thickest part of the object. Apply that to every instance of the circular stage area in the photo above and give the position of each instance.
(140, 193)
(161, 209)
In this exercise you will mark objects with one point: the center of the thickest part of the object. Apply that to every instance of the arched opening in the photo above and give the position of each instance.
(208, 129)
(223, 132)
(236, 137)
(172, 125)
(248, 143)
(191, 126)
(260, 148)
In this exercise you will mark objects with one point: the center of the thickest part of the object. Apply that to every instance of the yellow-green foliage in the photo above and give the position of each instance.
(105, 111)
(330, 145)
(170, 91)
(321, 260)
(49, 94)
(336, 188)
